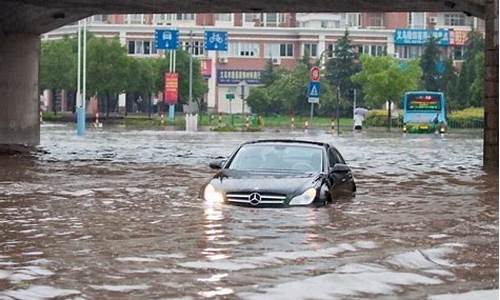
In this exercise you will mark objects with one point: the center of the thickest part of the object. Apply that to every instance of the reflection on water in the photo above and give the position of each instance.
(116, 216)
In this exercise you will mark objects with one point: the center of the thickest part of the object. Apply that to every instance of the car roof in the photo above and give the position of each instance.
(287, 141)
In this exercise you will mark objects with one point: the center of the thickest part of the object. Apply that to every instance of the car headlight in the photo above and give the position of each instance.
(212, 196)
(305, 198)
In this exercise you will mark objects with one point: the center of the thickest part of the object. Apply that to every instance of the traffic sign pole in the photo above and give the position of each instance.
(314, 89)
(312, 113)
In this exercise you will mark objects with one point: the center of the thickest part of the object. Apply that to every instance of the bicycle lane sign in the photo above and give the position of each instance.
(216, 40)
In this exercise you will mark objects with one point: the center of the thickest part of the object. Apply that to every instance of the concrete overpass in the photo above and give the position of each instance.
(22, 21)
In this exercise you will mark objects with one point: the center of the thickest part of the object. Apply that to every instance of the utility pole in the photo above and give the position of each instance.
(190, 99)
(338, 111)
(354, 105)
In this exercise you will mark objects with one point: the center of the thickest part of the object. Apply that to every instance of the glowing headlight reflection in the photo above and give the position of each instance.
(212, 196)
(305, 198)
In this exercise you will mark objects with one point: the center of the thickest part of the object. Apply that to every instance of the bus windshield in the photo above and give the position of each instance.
(422, 102)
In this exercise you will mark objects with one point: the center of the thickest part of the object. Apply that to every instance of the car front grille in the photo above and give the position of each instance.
(251, 198)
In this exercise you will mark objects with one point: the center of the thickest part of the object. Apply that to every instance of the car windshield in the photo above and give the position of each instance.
(278, 157)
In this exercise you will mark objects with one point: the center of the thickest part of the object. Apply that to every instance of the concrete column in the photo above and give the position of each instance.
(19, 102)
(490, 158)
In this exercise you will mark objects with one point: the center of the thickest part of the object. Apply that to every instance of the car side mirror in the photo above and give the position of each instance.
(217, 164)
(340, 168)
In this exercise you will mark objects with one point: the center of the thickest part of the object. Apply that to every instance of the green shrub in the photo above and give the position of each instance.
(378, 117)
(472, 117)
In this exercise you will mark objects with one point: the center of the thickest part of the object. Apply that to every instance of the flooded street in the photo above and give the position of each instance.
(116, 215)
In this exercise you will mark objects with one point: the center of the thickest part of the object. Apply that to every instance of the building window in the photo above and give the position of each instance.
(184, 17)
(409, 51)
(140, 47)
(136, 19)
(376, 20)
(286, 50)
(311, 49)
(372, 50)
(458, 52)
(353, 20)
(224, 17)
(196, 50)
(100, 19)
(241, 49)
(416, 20)
(275, 50)
(252, 17)
(273, 19)
(454, 20)
(164, 18)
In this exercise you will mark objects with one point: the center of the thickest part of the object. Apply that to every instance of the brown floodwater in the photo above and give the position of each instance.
(116, 215)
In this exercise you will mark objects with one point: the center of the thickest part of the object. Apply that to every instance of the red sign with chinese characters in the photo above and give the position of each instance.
(206, 67)
(171, 88)
(315, 73)
(458, 37)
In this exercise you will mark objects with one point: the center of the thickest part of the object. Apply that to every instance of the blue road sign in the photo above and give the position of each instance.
(216, 40)
(314, 91)
(167, 39)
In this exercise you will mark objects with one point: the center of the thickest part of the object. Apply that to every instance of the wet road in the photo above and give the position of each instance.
(116, 216)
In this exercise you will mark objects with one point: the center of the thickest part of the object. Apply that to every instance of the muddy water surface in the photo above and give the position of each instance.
(116, 216)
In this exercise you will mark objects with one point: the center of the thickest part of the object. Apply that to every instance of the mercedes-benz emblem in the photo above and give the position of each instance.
(254, 198)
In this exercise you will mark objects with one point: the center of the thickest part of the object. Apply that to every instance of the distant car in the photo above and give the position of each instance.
(280, 173)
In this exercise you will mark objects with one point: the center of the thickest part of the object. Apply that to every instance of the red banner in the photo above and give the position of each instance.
(171, 89)
(206, 67)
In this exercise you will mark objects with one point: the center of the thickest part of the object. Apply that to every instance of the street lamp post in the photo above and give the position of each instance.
(190, 99)
(80, 96)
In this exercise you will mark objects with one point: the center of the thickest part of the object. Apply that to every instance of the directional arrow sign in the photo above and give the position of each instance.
(314, 92)
(166, 39)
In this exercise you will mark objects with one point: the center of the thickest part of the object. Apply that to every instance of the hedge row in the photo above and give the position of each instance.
(472, 117)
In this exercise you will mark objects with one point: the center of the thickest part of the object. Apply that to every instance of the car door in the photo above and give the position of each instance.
(342, 181)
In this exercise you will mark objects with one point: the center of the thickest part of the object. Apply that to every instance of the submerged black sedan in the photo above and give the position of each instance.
(280, 173)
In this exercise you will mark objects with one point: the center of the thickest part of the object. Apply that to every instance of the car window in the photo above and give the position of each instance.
(278, 157)
(334, 157)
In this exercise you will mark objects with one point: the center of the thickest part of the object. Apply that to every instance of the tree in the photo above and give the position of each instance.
(288, 94)
(107, 69)
(57, 66)
(429, 61)
(477, 87)
(468, 90)
(268, 75)
(384, 79)
(342, 66)
(449, 81)
(260, 101)
(141, 78)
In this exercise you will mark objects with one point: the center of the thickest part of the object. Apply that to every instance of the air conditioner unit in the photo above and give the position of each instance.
(433, 20)
(223, 60)
(276, 60)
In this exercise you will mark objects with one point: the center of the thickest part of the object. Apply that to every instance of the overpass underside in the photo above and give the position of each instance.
(22, 21)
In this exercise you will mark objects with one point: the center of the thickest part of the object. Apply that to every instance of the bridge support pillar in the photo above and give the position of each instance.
(490, 148)
(19, 99)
